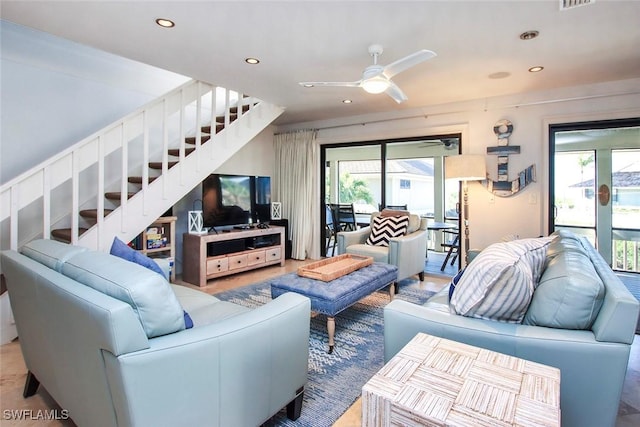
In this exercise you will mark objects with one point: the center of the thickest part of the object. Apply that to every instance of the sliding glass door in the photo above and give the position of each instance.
(595, 187)
(353, 176)
(402, 173)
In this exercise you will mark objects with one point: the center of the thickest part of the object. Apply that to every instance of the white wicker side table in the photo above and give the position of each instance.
(437, 382)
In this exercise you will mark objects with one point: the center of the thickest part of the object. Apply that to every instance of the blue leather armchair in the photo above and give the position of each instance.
(408, 252)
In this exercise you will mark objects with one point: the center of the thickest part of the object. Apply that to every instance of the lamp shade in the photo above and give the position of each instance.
(465, 167)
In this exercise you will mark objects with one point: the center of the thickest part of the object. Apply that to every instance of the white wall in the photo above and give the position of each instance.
(255, 158)
(56, 92)
(525, 213)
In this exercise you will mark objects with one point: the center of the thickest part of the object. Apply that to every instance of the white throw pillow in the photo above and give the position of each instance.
(499, 283)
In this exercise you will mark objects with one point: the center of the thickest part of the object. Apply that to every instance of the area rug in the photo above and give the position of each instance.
(632, 282)
(335, 380)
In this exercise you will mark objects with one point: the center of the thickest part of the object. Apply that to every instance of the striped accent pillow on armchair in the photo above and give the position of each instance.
(385, 228)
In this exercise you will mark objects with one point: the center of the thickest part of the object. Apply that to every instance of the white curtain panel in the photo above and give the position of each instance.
(296, 186)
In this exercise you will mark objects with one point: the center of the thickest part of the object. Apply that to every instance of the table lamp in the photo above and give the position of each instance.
(465, 168)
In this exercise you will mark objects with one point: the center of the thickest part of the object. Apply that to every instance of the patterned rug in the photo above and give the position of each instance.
(632, 282)
(335, 380)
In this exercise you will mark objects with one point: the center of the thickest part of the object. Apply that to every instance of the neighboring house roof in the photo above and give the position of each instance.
(418, 167)
(620, 180)
(414, 166)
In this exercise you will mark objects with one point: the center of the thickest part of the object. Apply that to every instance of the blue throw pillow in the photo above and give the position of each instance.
(188, 322)
(122, 250)
(454, 282)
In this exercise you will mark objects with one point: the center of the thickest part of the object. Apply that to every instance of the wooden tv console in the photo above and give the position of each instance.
(207, 256)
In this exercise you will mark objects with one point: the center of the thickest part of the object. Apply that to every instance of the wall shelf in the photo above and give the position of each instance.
(158, 241)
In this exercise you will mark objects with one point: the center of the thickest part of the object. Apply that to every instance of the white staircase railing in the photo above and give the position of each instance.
(52, 194)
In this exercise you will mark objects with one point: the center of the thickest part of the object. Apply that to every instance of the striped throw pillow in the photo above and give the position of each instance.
(499, 283)
(385, 228)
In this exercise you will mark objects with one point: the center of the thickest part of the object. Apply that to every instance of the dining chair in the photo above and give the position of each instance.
(344, 216)
(330, 227)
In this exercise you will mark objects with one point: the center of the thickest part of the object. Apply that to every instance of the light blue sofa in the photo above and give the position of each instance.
(592, 361)
(107, 338)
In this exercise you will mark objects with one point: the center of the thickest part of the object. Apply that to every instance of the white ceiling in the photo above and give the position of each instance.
(328, 40)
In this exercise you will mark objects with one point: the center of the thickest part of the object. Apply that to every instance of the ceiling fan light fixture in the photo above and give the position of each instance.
(376, 85)
(376, 78)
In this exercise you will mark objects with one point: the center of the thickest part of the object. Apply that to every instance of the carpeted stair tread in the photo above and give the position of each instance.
(176, 151)
(93, 213)
(204, 138)
(115, 195)
(158, 165)
(207, 129)
(64, 234)
(138, 179)
(232, 116)
(221, 119)
(234, 110)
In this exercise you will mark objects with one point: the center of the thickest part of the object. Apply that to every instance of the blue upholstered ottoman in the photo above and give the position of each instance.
(330, 298)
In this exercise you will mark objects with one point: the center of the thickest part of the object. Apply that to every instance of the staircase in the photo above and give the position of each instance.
(122, 178)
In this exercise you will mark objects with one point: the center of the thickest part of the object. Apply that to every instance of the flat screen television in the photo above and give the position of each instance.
(235, 199)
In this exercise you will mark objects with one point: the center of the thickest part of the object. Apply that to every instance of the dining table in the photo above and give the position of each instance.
(453, 245)
(440, 226)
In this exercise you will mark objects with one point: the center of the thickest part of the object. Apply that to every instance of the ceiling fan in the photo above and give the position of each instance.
(446, 143)
(376, 78)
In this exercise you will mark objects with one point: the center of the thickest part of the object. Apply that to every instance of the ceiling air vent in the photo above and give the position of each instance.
(570, 4)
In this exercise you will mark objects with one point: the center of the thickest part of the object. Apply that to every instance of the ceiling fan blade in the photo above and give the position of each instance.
(327, 84)
(407, 62)
(396, 93)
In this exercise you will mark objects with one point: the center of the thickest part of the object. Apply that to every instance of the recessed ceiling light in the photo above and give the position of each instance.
(166, 23)
(252, 61)
(528, 35)
(499, 75)
(347, 101)
(536, 69)
(307, 85)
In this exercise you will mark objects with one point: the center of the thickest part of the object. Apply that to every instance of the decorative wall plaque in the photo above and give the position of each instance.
(503, 187)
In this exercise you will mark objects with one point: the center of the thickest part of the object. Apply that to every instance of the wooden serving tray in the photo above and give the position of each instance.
(332, 268)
